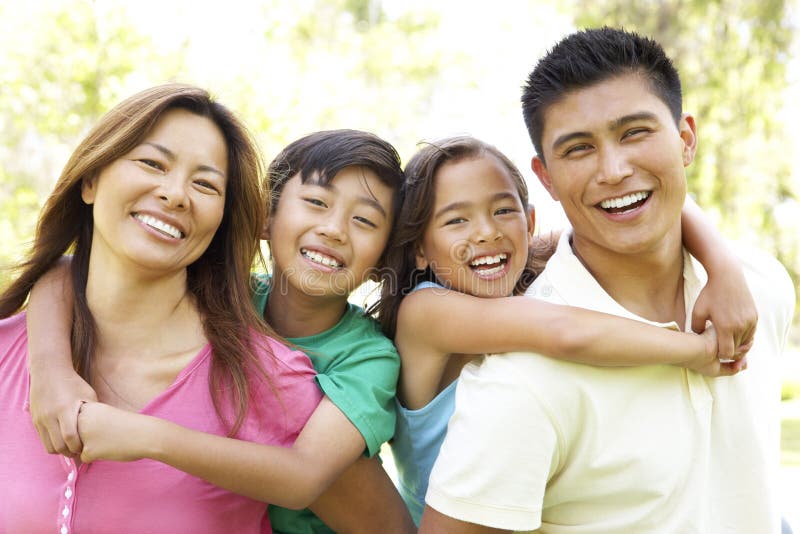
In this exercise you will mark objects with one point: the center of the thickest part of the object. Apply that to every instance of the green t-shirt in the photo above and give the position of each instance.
(357, 369)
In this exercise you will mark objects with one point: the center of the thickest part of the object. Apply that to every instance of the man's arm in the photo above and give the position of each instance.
(434, 522)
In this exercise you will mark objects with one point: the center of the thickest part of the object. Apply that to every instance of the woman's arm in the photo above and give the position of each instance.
(364, 500)
(289, 477)
(725, 300)
(56, 390)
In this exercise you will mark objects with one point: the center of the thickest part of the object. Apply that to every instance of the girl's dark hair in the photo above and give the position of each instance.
(218, 280)
(400, 274)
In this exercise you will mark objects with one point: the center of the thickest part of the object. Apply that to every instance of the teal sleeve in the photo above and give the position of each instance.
(363, 386)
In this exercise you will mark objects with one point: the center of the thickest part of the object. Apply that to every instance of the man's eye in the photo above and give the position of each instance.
(577, 149)
(635, 131)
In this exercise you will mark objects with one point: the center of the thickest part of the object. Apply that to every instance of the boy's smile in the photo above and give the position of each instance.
(326, 240)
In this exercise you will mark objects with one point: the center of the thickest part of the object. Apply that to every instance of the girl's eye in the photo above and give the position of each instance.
(455, 220)
(366, 221)
(315, 202)
(152, 163)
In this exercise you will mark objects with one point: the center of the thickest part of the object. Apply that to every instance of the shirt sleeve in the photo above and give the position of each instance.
(500, 450)
(363, 386)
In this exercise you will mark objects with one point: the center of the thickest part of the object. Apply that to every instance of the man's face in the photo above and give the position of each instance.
(615, 161)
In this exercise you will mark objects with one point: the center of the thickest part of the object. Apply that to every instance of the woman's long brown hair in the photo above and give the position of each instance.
(218, 280)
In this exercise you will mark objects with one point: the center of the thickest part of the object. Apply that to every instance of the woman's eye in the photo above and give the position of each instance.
(315, 202)
(366, 221)
(205, 184)
(152, 163)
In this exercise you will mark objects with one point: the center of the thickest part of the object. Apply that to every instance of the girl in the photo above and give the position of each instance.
(464, 248)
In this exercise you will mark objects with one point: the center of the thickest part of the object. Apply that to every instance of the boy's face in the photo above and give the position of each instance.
(615, 161)
(325, 240)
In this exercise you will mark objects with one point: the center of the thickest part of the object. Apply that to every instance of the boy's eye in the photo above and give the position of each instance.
(366, 221)
(315, 202)
(504, 211)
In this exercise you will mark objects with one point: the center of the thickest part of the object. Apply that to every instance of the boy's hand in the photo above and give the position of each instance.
(54, 410)
(727, 302)
(709, 364)
(109, 433)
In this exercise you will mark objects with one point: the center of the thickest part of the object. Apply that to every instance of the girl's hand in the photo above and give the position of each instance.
(727, 302)
(54, 406)
(708, 363)
(109, 433)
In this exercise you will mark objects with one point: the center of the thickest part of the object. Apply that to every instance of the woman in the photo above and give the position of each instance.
(163, 323)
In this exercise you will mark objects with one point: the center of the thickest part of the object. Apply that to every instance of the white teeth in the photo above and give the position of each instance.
(489, 272)
(622, 202)
(159, 225)
(483, 260)
(322, 259)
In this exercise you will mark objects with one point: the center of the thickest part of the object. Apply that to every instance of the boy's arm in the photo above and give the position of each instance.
(56, 390)
(725, 300)
(364, 500)
(289, 477)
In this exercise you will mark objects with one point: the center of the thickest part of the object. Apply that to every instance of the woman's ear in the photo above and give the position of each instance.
(89, 189)
(265, 230)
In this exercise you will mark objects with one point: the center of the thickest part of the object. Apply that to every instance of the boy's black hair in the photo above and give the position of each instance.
(321, 155)
(591, 56)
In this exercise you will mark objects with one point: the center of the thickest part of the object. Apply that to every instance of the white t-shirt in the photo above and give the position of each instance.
(537, 443)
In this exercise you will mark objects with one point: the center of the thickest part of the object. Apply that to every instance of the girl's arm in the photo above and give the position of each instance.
(289, 477)
(56, 390)
(725, 300)
(364, 500)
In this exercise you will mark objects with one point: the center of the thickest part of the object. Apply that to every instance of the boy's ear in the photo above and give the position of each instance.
(422, 261)
(544, 176)
(688, 133)
(89, 189)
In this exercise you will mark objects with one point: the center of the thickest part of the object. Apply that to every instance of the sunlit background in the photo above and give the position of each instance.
(410, 70)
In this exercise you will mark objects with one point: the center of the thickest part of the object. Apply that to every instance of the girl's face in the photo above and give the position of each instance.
(477, 239)
(158, 207)
(325, 240)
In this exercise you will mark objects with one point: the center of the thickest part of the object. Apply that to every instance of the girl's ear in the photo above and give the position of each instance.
(531, 216)
(422, 261)
(265, 230)
(89, 189)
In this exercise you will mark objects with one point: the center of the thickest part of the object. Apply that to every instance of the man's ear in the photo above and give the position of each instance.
(422, 261)
(89, 189)
(688, 133)
(544, 176)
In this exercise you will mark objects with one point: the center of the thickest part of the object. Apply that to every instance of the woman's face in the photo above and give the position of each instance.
(157, 207)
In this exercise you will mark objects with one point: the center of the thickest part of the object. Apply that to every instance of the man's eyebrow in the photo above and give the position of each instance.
(613, 125)
(170, 155)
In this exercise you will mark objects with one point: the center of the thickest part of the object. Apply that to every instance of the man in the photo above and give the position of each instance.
(538, 443)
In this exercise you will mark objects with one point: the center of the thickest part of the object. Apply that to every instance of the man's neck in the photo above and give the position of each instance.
(648, 284)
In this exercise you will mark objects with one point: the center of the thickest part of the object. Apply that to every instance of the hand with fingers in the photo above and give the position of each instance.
(54, 409)
(709, 363)
(728, 304)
